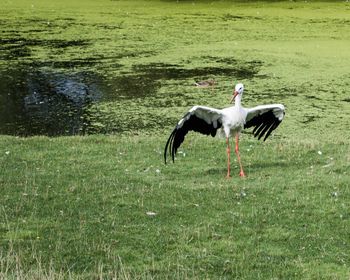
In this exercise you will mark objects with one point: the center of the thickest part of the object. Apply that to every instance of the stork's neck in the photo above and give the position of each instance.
(238, 100)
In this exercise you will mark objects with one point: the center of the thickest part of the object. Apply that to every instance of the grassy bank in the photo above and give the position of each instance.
(107, 206)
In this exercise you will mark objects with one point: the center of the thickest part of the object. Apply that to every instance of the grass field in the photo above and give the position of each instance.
(105, 206)
(79, 206)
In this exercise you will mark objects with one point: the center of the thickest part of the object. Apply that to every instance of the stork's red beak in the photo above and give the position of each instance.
(233, 96)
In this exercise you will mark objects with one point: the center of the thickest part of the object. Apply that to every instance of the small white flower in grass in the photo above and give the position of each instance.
(151, 214)
(319, 152)
(157, 171)
(7, 152)
(334, 194)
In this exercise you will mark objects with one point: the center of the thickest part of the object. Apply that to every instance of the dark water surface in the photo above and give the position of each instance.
(40, 100)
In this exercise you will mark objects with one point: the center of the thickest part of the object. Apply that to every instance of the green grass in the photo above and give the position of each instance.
(76, 207)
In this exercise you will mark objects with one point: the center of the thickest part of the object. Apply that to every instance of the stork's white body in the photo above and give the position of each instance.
(233, 120)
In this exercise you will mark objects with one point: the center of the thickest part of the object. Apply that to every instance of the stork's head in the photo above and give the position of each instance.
(239, 88)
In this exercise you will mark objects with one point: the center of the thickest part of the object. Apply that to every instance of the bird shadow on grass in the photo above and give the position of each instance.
(262, 165)
(214, 171)
(248, 167)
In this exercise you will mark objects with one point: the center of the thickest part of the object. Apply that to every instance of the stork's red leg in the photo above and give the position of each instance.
(228, 150)
(241, 172)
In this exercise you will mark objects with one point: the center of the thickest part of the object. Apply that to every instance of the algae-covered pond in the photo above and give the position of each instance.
(78, 67)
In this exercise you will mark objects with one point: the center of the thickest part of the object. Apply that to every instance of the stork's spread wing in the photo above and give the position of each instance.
(201, 119)
(264, 118)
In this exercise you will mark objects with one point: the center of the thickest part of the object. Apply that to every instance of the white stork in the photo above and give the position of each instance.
(230, 121)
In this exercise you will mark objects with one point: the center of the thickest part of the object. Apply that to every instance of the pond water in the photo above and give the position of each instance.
(42, 102)
(106, 68)
(115, 66)
(39, 100)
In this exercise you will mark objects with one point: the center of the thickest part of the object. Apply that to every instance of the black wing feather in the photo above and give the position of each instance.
(263, 124)
(192, 123)
(272, 128)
